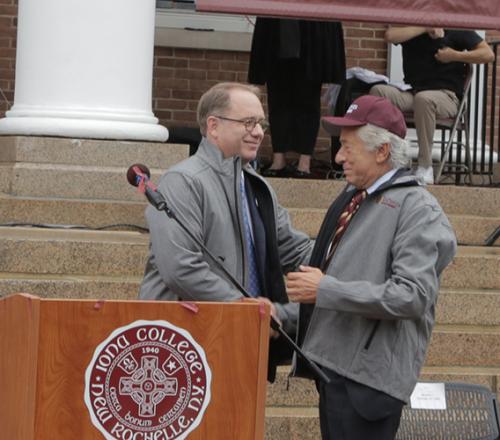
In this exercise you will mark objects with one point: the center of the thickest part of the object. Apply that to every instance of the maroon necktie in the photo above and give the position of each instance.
(343, 222)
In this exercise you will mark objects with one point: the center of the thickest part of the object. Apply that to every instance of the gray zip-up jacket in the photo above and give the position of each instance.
(203, 191)
(374, 311)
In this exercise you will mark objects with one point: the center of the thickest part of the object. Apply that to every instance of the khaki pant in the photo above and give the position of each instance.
(426, 107)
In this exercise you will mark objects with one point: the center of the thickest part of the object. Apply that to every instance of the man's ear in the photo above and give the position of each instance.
(383, 153)
(212, 125)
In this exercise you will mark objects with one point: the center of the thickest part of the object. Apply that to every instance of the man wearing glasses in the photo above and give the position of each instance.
(232, 210)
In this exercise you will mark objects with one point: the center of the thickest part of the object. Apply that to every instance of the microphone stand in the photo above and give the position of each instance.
(157, 200)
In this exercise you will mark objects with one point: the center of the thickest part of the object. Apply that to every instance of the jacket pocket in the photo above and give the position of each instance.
(371, 335)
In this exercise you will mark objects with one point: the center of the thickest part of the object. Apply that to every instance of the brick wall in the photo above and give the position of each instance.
(8, 30)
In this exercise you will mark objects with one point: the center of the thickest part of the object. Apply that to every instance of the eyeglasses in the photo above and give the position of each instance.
(249, 123)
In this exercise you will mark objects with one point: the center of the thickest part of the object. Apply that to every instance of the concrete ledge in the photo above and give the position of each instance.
(302, 392)
(468, 307)
(71, 287)
(40, 251)
(473, 267)
(32, 250)
(74, 181)
(292, 424)
(89, 152)
(479, 201)
(464, 346)
(470, 230)
(91, 213)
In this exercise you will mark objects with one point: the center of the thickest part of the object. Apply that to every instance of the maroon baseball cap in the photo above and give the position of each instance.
(369, 109)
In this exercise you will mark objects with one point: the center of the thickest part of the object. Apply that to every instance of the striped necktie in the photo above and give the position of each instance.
(253, 273)
(343, 222)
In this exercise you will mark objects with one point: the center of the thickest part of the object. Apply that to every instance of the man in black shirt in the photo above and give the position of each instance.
(434, 65)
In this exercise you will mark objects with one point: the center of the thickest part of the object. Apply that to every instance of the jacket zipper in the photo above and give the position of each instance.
(372, 334)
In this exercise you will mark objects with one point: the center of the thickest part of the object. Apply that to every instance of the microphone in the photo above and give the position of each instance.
(138, 175)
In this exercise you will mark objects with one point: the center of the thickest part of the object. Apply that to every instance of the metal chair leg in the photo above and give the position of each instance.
(468, 155)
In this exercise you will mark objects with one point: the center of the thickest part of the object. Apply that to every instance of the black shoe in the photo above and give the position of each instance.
(298, 174)
(286, 171)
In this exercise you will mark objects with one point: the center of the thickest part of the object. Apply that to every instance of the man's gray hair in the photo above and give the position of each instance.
(373, 136)
(217, 101)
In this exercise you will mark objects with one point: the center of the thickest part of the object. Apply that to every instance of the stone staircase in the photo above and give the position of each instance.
(48, 181)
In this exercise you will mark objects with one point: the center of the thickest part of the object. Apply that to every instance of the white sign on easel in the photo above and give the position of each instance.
(428, 396)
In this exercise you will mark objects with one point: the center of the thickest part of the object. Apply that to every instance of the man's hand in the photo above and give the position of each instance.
(435, 33)
(446, 55)
(273, 333)
(303, 286)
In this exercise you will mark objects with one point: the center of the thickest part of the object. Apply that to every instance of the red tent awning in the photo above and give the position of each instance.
(467, 14)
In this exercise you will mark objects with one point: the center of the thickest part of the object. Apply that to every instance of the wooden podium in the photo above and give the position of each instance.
(84, 369)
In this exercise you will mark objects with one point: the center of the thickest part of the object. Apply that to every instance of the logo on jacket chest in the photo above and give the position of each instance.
(386, 201)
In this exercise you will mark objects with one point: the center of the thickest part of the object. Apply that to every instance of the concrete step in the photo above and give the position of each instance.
(293, 414)
(301, 421)
(473, 267)
(71, 252)
(90, 213)
(71, 286)
(91, 158)
(455, 307)
(76, 168)
(464, 346)
(89, 152)
(108, 182)
(284, 423)
(71, 181)
(296, 193)
(110, 253)
(470, 229)
(294, 392)
(468, 307)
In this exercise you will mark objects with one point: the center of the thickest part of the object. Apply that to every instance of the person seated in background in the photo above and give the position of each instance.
(434, 65)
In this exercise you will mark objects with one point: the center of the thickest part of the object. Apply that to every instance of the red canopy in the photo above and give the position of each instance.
(467, 14)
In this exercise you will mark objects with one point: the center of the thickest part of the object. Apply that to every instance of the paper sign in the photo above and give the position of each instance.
(428, 396)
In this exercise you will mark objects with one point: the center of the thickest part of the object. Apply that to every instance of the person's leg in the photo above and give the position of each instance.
(307, 111)
(304, 164)
(332, 398)
(428, 105)
(402, 100)
(340, 420)
(279, 104)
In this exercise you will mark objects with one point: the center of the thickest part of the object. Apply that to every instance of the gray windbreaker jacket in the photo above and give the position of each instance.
(374, 312)
(203, 191)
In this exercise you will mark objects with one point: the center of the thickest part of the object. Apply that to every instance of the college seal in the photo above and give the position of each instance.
(149, 380)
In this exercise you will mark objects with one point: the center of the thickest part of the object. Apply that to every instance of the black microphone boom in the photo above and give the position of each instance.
(138, 175)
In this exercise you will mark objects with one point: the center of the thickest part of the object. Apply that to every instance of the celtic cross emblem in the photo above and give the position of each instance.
(149, 385)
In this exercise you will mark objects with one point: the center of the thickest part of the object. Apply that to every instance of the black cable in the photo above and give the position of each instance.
(78, 227)
(493, 237)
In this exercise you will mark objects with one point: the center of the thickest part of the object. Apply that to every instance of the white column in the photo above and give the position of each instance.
(84, 68)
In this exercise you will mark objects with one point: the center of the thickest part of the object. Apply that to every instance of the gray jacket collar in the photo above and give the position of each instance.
(211, 154)
(402, 177)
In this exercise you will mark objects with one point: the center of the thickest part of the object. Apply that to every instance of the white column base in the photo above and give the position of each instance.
(83, 128)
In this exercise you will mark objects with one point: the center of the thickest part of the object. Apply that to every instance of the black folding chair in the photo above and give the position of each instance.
(471, 414)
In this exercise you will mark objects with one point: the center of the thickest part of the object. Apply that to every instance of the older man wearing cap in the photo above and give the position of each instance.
(368, 296)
